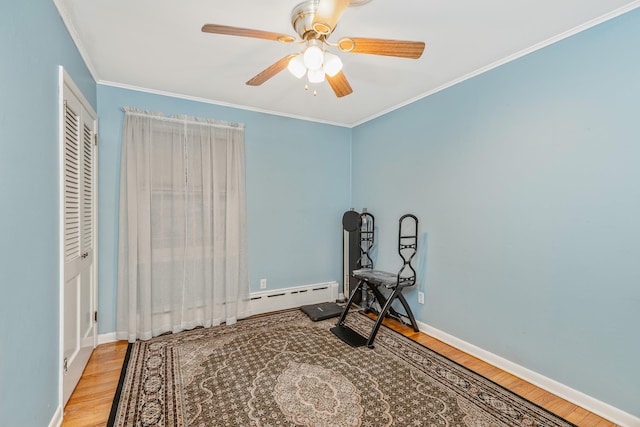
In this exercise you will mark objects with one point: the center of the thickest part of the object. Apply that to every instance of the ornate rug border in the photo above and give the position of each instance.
(472, 372)
(124, 371)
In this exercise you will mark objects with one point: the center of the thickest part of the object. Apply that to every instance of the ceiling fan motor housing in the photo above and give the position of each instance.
(302, 17)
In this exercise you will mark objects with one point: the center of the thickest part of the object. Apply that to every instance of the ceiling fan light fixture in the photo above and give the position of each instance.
(313, 57)
(316, 76)
(296, 66)
(314, 21)
(332, 64)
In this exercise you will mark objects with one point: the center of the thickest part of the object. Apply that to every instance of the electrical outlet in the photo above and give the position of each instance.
(263, 283)
(420, 297)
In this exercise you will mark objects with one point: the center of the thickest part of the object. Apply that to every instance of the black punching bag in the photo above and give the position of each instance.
(351, 222)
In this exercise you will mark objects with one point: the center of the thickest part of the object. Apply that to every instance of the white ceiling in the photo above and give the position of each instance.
(158, 46)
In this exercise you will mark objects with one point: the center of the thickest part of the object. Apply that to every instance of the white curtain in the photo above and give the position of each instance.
(182, 233)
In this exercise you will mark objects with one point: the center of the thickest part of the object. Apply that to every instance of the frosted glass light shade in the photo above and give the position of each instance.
(296, 66)
(332, 64)
(313, 58)
(316, 76)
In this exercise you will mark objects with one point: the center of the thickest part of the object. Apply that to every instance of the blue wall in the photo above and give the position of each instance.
(526, 180)
(297, 189)
(33, 43)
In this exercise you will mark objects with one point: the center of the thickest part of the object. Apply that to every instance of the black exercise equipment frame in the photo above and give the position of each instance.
(372, 279)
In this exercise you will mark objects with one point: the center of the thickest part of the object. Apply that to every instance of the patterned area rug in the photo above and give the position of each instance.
(284, 370)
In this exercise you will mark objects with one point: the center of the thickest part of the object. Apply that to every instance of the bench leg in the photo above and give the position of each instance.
(382, 300)
(383, 313)
(405, 304)
(346, 307)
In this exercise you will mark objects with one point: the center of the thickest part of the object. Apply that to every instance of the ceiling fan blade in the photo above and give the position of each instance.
(327, 15)
(399, 48)
(246, 32)
(339, 84)
(270, 71)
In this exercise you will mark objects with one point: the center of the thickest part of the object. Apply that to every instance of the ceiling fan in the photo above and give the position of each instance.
(314, 21)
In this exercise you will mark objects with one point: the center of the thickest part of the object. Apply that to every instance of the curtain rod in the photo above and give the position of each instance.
(182, 119)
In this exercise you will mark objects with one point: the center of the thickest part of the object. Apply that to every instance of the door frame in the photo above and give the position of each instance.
(64, 79)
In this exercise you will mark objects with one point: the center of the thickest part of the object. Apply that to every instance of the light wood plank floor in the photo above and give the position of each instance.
(90, 402)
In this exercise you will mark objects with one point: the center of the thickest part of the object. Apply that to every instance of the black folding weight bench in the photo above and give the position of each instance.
(374, 279)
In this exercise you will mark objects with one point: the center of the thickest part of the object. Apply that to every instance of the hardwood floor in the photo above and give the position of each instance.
(90, 402)
(549, 401)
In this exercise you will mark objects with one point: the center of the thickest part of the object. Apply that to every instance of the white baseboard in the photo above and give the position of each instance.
(107, 338)
(56, 421)
(587, 402)
(282, 299)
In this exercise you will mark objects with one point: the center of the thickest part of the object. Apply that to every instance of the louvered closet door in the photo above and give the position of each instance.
(79, 330)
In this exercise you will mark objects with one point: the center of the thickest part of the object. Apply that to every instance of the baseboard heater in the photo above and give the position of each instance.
(283, 299)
